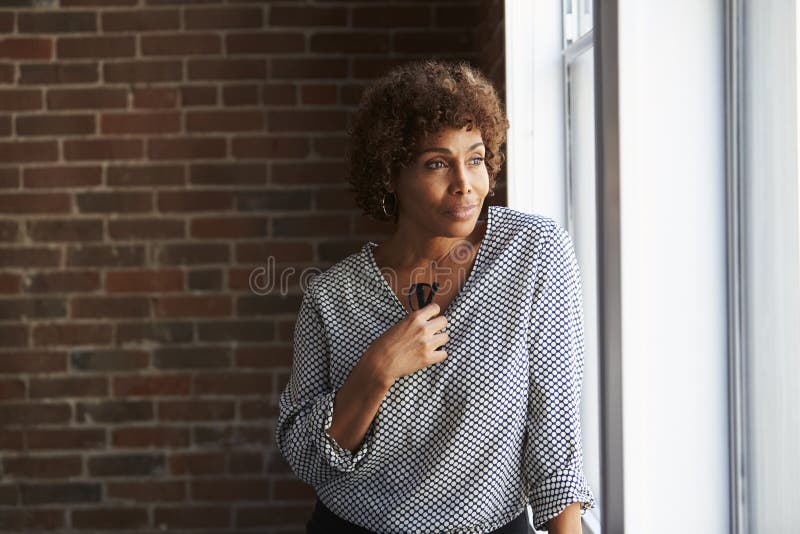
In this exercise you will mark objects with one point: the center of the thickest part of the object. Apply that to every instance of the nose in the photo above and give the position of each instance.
(460, 179)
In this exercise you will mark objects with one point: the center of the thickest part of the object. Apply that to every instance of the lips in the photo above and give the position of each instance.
(461, 210)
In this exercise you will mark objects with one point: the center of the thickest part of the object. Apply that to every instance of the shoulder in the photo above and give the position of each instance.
(510, 225)
(339, 276)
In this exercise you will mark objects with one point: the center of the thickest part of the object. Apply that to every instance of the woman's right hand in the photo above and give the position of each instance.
(410, 345)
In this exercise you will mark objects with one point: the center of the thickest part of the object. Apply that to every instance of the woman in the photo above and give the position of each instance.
(436, 378)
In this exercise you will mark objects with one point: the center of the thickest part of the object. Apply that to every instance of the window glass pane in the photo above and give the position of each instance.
(582, 212)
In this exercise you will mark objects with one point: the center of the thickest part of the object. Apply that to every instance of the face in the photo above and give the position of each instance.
(447, 174)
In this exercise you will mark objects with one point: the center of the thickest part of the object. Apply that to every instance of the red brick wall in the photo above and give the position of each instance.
(153, 155)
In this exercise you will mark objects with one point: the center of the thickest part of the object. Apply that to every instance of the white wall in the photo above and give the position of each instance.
(672, 195)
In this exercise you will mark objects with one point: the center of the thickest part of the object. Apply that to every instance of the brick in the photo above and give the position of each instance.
(62, 176)
(308, 173)
(140, 20)
(265, 43)
(270, 147)
(125, 465)
(97, 3)
(330, 146)
(86, 98)
(190, 358)
(114, 202)
(29, 257)
(13, 335)
(9, 177)
(228, 17)
(140, 122)
(240, 95)
(208, 410)
(67, 492)
(181, 44)
(349, 43)
(56, 22)
(50, 125)
(199, 95)
(46, 203)
(147, 491)
(391, 16)
(351, 93)
(197, 463)
(105, 256)
(259, 409)
(226, 69)
(270, 200)
(229, 227)
(456, 16)
(53, 335)
(205, 280)
(306, 120)
(433, 42)
(298, 68)
(26, 48)
(12, 389)
(144, 175)
(110, 518)
(68, 387)
(109, 360)
(240, 331)
(245, 462)
(95, 47)
(55, 73)
(113, 411)
(307, 16)
(373, 67)
(29, 519)
(154, 332)
(248, 305)
(193, 306)
(30, 362)
(187, 516)
(224, 121)
(293, 490)
(288, 251)
(28, 151)
(148, 436)
(186, 148)
(144, 281)
(103, 149)
(319, 95)
(7, 22)
(235, 384)
(143, 71)
(34, 413)
(228, 173)
(62, 281)
(65, 230)
(43, 466)
(283, 94)
(183, 201)
(102, 307)
(23, 309)
(11, 440)
(73, 438)
(155, 97)
(10, 283)
(9, 231)
(20, 99)
(229, 490)
(150, 229)
(191, 254)
(152, 385)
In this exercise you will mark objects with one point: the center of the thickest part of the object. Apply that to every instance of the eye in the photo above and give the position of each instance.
(478, 158)
(431, 163)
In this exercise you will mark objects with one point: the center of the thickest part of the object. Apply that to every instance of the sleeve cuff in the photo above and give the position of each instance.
(337, 456)
(554, 494)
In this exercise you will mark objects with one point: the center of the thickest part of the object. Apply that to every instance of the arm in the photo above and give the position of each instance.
(553, 458)
(567, 522)
(356, 403)
(307, 403)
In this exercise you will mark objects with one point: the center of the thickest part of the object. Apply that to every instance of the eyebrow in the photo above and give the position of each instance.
(446, 150)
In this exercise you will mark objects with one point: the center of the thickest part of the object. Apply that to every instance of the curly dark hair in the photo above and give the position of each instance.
(405, 105)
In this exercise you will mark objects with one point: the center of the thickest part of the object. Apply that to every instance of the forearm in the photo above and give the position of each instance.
(567, 522)
(356, 404)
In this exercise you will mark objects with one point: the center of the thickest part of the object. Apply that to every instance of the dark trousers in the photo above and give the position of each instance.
(323, 521)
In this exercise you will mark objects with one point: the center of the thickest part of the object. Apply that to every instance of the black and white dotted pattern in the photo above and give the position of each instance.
(464, 445)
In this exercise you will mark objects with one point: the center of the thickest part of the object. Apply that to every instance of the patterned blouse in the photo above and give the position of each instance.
(466, 444)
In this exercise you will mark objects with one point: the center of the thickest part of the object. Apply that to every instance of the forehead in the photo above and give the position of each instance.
(451, 137)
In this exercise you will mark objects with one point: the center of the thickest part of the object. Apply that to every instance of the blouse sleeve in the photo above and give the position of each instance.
(553, 450)
(306, 406)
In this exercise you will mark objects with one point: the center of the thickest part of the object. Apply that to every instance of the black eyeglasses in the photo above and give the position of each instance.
(419, 290)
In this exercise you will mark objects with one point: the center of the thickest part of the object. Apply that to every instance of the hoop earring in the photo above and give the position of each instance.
(383, 204)
(491, 192)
